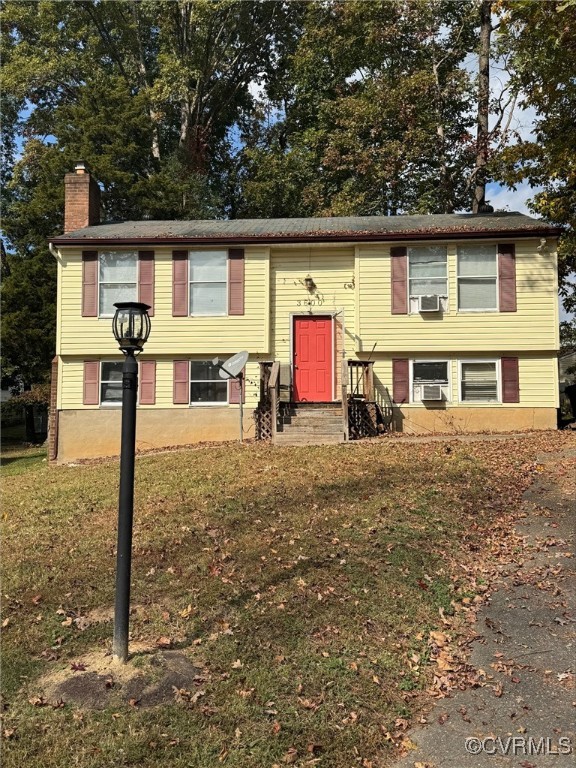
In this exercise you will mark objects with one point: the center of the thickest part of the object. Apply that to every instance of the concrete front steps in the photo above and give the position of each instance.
(311, 424)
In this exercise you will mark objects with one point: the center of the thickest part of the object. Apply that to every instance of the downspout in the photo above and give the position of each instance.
(53, 413)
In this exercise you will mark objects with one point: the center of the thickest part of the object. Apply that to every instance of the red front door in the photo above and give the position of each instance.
(313, 359)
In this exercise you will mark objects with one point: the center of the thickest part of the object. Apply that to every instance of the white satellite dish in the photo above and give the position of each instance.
(232, 369)
(233, 366)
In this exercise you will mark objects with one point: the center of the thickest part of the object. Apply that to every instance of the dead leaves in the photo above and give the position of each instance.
(311, 704)
(40, 701)
(186, 697)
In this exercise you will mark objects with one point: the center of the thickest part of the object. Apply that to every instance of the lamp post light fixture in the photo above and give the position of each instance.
(131, 327)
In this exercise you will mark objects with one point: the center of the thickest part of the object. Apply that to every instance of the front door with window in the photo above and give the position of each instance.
(313, 359)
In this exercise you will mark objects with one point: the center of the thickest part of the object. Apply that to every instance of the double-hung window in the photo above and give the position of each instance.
(117, 278)
(111, 383)
(427, 274)
(206, 386)
(430, 380)
(479, 381)
(208, 282)
(477, 278)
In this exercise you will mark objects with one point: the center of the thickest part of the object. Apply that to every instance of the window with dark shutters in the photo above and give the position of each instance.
(89, 283)
(235, 390)
(146, 279)
(91, 382)
(181, 382)
(147, 382)
(507, 277)
(510, 380)
(236, 281)
(180, 283)
(399, 273)
(400, 381)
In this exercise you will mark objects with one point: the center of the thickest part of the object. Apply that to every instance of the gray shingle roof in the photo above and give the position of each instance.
(343, 228)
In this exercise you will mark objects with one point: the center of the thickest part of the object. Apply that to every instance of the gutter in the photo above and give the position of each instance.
(54, 251)
(316, 237)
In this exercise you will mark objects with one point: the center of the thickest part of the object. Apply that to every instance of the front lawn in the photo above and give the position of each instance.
(304, 582)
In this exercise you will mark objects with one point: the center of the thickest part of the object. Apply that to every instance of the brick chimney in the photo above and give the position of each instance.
(81, 199)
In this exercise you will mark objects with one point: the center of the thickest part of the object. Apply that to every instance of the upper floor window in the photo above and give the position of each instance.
(117, 279)
(427, 274)
(208, 282)
(477, 277)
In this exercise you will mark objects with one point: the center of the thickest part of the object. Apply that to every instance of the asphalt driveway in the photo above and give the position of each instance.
(525, 643)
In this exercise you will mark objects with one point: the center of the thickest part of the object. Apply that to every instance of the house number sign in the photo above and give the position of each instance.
(309, 302)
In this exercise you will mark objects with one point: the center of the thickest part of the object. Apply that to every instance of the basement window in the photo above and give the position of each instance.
(479, 382)
(111, 383)
(206, 386)
(430, 381)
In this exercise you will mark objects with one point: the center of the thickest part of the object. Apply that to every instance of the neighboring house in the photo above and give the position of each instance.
(454, 317)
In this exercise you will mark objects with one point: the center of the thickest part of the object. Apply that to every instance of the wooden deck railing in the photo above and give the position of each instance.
(360, 375)
(370, 409)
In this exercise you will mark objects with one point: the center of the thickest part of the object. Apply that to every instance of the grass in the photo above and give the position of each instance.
(302, 580)
(16, 455)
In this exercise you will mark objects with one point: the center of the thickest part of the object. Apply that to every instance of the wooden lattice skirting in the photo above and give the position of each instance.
(363, 419)
(263, 422)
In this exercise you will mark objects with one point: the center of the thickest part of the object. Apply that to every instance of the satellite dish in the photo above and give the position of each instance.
(232, 367)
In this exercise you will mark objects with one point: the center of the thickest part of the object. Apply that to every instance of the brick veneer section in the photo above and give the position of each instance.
(81, 201)
(53, 413)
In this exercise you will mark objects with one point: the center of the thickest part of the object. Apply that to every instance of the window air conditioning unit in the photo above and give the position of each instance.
(429, 303)
(431, 392)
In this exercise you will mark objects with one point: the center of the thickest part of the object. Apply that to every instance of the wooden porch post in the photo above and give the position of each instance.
(273, 389)
(345, 399)
(369, 381)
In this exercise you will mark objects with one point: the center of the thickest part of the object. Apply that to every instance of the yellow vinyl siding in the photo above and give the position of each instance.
(72, 384)
(533, 326)
(537, 374)
(332, 269)
(180, 335)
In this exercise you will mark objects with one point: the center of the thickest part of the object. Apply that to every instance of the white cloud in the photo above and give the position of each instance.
(504, 199)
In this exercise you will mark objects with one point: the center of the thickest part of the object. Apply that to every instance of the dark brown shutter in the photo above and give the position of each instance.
(147, 382)
(89, 283)
(146, 279)
(181, 382)
(510, 380)
(507, 277)
(399, 269)
(236, 281)
(180, 284)
(400, 381)
(91, 382)
(234, 391)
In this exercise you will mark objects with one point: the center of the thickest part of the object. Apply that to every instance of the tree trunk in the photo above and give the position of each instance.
(478, 200)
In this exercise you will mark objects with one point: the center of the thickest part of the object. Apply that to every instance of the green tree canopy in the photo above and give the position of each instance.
(541, 38)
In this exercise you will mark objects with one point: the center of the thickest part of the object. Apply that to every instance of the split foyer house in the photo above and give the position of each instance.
(437, 323)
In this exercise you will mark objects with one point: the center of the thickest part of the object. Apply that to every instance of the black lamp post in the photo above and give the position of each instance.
(131, 326)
